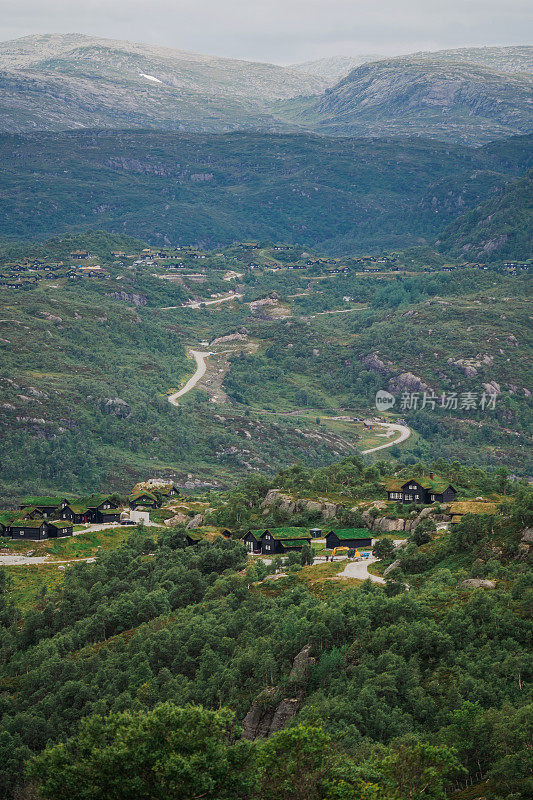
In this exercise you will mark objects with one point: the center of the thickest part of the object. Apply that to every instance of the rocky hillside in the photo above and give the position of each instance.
(502, 59)
(451, 101)
(55, 82)
(502, 227)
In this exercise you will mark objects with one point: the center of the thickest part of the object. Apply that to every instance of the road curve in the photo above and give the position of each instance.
(201, 303)
(403, 430)
(201, 367)
(359, 570)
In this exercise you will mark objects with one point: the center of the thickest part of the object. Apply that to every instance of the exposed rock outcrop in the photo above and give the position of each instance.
(270, 712)
(129, 297)
(195, 522)
(477, 583)
(408, 381)
(288, 504)
(177, 519)
(116, 406)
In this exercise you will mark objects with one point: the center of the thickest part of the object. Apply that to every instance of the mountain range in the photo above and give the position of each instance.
(70, 81)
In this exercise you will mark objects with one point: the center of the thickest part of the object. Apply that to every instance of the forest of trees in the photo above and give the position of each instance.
(132, 681)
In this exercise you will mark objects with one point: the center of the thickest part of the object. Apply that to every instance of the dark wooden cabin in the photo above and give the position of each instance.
(356, 539)
(252, 542)
(281, 540)
(144, 499)
(424, 489)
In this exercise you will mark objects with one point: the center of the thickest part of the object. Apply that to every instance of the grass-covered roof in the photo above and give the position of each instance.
(288, 533)
(350, 533)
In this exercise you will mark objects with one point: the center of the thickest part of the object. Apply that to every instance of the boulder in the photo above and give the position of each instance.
(116, 406)
(302, 663)
(477, 583)
(178, 519)
(391, 567)
(408, 381)
(195, 522)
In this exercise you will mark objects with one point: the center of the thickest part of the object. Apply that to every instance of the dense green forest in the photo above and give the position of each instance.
(339, 194)
(132, 679)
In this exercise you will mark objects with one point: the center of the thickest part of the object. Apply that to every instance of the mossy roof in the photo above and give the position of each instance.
(472, 507)
(61, 523)
(43, 501)
(27, 523)
(144, 493)
(354, 533)
(288, 533)
(436, 484)
(106, 511)
(292, 542)
(196, 537)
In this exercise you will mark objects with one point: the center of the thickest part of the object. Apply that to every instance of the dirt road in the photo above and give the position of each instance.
(403, 430)
(201, 367)
(359, 570)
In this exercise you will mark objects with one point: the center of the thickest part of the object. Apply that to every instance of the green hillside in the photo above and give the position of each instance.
(88, 363)
(501, 228)
(343, 195)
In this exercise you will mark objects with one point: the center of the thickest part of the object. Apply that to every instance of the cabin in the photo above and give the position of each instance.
(281, 540)
(426, 489)
(93, 509)
(144, 499)
(59, 527)
(252, 542)
(355, 538)
(168, 492)
(459, 509)
(45, 506)
(35, 529)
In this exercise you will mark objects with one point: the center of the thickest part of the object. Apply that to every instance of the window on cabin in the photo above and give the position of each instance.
(412, 485)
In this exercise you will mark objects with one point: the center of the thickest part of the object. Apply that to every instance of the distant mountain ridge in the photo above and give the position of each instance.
(61, 82)
(503, 59)
(416, 96)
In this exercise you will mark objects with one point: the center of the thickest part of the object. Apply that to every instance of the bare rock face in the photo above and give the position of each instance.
(270, 713)
(408, 381)
(129, 297)
(178, 519)
(477, 583)
(116, 406)
(195, 522)
(526, 543)
(392, 567)
(375, 363)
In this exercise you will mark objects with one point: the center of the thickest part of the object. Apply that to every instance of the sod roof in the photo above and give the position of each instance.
(27, 523)
(472, 507)
(292, 542)
(43, 501)
(196, 537)
(136, 495)
(347, 533)
(288, 533)
(437, 485)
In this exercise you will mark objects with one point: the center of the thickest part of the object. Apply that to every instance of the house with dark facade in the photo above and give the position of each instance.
(37, 529)
(143, 499)
(354, 538)
(95, 509)
(425, 489)
(252, 542)
(45, 506)
(282, 540)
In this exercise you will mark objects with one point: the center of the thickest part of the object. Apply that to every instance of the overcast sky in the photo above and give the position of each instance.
(282, 31)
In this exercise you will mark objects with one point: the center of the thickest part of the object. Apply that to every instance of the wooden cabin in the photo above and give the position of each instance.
(144, 499)
(281, 540)
(252, 542)
(426, 489)
(193, 538)
(356, 539)
(46, 506)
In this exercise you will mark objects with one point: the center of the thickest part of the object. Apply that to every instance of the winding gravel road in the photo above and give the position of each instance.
(359, 570)
(201, 367)
(403, 430)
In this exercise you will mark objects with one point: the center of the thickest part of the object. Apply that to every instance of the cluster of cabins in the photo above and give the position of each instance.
(274, 541)
(49, 517)
(144, 500)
